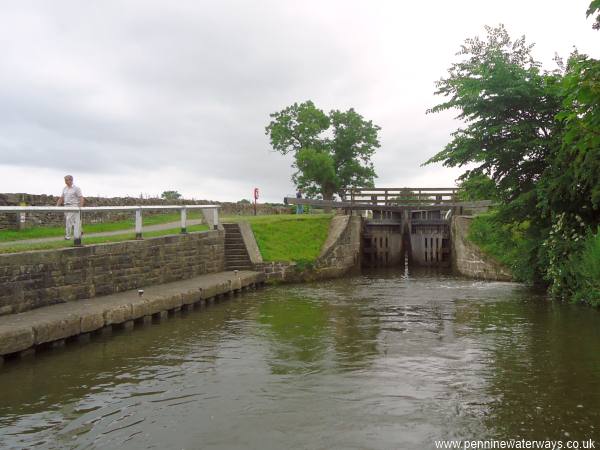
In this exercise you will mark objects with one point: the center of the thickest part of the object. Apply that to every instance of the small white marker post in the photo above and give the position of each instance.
(138, 223)
(183, 220)
(77, 230)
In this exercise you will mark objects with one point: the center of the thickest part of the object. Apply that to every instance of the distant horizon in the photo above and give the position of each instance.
(142, 97)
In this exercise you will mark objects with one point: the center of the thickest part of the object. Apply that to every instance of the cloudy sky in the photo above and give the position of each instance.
(137, 97)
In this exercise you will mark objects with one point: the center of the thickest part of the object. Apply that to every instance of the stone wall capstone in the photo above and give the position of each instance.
(40, 278)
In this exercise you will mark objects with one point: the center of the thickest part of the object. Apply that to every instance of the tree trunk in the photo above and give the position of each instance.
(327, 195)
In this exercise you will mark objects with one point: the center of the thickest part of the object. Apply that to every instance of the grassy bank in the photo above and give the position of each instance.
(565, 260)
(506, 243)
(286, 237)
(289, 237)
(17, 247)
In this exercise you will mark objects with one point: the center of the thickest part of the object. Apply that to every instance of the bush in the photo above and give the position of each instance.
(587, 271)
(511, 244)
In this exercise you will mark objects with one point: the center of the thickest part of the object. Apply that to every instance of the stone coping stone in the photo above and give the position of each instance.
(22, 331)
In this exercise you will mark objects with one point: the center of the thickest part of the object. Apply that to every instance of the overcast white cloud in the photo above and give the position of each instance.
(145, 96)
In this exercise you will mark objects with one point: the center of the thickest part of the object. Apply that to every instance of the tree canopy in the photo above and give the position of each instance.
(508, 105)
(533, 139)
(170, 195)
(332, 152)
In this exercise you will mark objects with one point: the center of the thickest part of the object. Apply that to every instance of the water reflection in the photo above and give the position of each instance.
(382, 360)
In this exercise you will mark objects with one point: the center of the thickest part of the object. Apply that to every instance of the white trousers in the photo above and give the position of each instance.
(70, 219)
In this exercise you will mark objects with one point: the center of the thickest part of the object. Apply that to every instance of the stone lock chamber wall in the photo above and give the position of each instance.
(468, 259)
(34, 279)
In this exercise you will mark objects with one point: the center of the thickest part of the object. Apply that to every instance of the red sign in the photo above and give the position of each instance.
(255, 193)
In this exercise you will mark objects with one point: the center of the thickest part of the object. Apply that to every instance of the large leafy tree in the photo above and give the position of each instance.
(508, 106)
(332, 152)
(573, 183)
(594, 9)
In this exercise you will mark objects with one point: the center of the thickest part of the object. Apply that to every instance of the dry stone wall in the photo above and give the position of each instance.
(13, 221)
(34, 279)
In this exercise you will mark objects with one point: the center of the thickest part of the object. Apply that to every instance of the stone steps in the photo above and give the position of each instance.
(236, 254)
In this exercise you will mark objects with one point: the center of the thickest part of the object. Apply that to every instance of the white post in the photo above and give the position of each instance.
(183, 220)
(212, 217)
(215, 218)
(77, 230)
(138, 223)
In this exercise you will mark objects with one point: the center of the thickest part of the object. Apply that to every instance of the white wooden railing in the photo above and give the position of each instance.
(210, 213)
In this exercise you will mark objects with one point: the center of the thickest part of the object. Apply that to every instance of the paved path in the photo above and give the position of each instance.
(160, 227)
(29, 329)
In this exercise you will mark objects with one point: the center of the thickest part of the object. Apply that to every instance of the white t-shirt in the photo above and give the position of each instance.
(71, 195)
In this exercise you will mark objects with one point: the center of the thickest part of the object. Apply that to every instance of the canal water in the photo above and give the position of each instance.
(378, 361)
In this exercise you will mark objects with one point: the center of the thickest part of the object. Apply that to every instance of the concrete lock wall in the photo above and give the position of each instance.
(34, 279)
(468, 259)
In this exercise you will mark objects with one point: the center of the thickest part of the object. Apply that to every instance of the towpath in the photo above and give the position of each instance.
(159, 227)
(55, 323)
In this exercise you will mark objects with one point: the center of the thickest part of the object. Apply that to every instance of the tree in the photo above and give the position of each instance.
(594, 8)
(509, 108)
(332, 152)
(477, 187)
(573, 183)
(170, 195)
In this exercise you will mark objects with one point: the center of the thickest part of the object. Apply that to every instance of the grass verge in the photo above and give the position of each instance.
(290, 237)
(24, 247)
(46, 232)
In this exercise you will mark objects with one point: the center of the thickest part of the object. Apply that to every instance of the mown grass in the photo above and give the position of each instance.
(289, 237)
(285, 237)
(91, 240)
(89, 228)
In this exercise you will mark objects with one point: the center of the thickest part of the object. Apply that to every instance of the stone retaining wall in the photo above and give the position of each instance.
(33, 279)
(340, 255)
(13, 221)
(468, 259)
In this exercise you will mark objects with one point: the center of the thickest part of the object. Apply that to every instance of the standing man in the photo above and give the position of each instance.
(71, 196)
(299, 208)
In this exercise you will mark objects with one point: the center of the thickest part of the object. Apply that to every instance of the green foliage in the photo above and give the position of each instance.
(594, 8)
(332, 152)
(560, 251)
(170, 195)
(511, 244)
(587, 271)
(536, 135)
(509, 108)
(572, 184)
(477, 186)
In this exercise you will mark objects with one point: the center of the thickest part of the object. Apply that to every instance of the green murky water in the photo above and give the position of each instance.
(378, 361)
